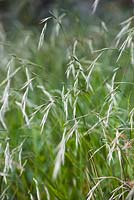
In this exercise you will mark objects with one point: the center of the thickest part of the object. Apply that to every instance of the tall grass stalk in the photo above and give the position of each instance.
(66, 113)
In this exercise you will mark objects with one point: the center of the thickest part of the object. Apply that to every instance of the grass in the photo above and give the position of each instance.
(66, 112)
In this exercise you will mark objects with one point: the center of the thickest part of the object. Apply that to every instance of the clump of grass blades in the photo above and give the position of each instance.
(76, 139)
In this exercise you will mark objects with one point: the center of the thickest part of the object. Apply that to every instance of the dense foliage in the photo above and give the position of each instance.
(66, 111)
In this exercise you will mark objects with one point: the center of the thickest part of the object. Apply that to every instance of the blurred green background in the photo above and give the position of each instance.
(30, 12)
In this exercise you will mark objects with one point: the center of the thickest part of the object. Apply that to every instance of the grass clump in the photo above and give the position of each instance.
(66, 113)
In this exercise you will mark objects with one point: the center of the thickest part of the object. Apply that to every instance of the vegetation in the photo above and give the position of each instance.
(66, 111)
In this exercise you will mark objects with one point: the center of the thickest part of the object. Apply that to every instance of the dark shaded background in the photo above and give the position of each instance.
(29, 12)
